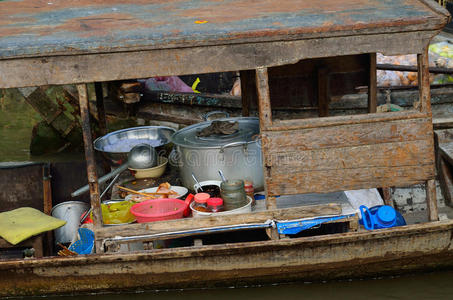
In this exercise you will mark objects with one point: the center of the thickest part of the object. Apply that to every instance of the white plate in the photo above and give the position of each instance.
(178, 189)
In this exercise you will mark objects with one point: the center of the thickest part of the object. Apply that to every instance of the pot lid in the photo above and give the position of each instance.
(188, 136)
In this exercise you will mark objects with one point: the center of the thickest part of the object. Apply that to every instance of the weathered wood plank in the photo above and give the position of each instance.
(423, 80)
(194, 223)
(325, 181)
(215, 58)
(446, 151)
(356, 157)
(431, 200)
(349, 135)
(279, 125)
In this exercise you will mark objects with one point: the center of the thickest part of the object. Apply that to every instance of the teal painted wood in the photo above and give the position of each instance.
(43, 28)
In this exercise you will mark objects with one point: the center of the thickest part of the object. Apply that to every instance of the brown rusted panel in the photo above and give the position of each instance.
(405, 248)
(21, 185)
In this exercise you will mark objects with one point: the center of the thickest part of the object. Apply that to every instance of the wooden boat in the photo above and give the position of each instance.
(345, 152)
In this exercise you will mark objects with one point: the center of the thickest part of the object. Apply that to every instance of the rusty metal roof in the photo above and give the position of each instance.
(54, 27)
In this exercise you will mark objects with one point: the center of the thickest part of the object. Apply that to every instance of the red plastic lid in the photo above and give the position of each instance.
(215, 201)
(202, 197)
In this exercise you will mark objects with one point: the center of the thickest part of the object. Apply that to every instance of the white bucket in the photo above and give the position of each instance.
(70, 212)
(240, 210)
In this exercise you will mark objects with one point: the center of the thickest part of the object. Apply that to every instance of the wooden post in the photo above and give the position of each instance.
(265, 115)
(89, 156)
(47, 208)
(445, 181)
(248, 90)
(100, 107)
(323, 88)
(264, 101)
(423, 81)
(431, 200)
(387, 196)
(372, 84)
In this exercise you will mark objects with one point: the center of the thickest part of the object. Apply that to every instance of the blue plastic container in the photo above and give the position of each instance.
(381, 216)
(86, 242)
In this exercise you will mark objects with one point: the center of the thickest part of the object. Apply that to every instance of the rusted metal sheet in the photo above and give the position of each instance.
(43, 28)
(388, 251)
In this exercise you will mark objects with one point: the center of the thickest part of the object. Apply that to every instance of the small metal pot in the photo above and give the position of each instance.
(238, 155)
(69, 211)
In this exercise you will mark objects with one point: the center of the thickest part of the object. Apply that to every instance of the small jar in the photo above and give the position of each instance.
(200, 202)
(215, 204)
(249, 190)
(233, 194)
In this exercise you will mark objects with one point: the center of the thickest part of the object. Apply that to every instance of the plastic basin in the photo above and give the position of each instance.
(158, 210)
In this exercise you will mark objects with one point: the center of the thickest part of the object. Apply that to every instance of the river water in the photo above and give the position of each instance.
(421, 286)
(17, 119)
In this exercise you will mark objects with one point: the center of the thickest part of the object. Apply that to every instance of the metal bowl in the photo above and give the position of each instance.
(156, 133)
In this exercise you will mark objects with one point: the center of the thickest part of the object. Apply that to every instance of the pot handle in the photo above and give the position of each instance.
(174, 157)
(215, 112)
(222, 148)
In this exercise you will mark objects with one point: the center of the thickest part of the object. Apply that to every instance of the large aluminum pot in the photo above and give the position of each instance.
(238, 155)
(116, 145)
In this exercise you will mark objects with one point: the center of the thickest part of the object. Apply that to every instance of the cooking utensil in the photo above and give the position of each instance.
(196, 181)
(110, 144)
(138, 193)
(179, 191)
(222, 176)
(88, 212)
(140, 157)
(238, 155)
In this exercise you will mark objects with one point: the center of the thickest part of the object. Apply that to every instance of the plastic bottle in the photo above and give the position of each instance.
(215, 204)
(200, 200)
(381, 216)
(249, 190)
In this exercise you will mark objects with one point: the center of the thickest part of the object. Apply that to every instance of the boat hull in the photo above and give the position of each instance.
(338, 256)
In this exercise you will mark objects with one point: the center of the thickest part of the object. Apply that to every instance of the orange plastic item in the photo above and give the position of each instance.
(188, 200)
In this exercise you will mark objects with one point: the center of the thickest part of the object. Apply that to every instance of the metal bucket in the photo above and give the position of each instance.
(70, 212)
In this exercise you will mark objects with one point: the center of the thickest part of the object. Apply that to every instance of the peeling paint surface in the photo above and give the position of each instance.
(40, 28)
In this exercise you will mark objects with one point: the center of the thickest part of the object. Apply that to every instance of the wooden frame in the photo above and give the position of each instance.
(252, 52)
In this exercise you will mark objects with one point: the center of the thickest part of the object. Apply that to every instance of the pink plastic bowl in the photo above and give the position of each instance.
(158, 210)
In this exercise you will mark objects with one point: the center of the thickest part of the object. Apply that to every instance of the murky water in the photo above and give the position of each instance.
(421, 286)
(17, 119)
